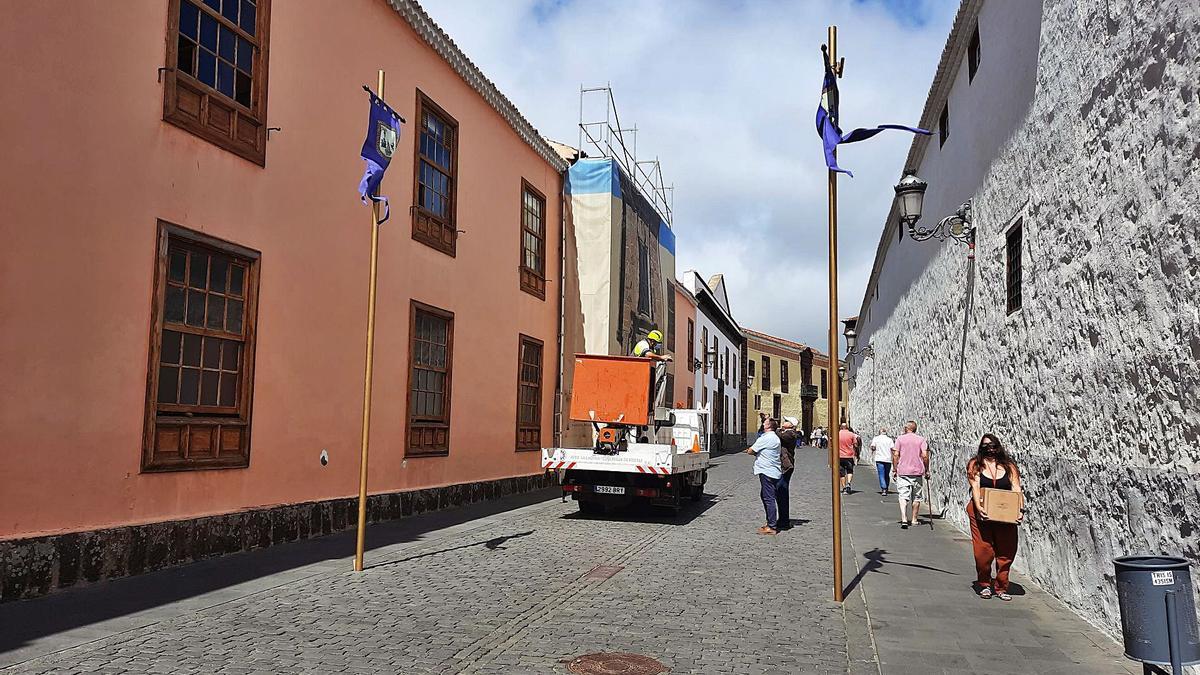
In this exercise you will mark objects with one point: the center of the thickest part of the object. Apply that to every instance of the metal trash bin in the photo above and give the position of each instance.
(1158, 613)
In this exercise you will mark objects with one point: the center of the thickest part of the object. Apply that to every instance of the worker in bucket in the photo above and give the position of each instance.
(646, 348)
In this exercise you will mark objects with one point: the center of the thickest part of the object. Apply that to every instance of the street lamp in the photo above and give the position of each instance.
(910, 195)
(851, 340)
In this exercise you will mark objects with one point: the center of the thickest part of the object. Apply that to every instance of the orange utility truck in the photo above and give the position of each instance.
(641, 452)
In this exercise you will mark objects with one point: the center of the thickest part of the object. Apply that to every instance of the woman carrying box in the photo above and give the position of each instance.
(992, 467)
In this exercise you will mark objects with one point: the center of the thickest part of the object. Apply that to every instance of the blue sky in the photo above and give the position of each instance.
(724, 93)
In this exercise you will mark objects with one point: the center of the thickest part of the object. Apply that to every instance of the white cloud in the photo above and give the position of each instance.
(724, 93)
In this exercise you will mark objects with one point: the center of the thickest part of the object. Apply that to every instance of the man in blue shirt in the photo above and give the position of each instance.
(768, 469)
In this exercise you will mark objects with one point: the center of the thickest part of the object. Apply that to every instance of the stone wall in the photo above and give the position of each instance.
(1094, 383)
(37, 565)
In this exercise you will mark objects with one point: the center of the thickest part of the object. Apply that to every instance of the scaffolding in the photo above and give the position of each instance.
(607, 138)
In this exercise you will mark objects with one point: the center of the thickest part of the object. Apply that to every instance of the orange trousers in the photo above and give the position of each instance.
(992, 542)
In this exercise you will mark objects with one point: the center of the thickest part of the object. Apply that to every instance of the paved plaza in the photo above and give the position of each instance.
(526, 585)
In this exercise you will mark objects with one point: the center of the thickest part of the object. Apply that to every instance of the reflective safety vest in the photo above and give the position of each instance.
(642, 348)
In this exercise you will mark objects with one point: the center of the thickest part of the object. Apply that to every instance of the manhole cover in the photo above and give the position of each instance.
(603, 571)
(616, 664)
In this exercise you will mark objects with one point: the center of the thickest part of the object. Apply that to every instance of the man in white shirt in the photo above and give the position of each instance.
(881, 448)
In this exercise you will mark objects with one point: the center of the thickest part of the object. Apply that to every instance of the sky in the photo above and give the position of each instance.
(724, 94)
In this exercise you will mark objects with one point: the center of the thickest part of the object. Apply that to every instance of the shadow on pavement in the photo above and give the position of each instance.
(1014, 589)
(494, 544)
(877, 559)
(133, 602)
(642, 513)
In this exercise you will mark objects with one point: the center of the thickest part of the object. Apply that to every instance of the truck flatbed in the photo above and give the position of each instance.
(650, 458)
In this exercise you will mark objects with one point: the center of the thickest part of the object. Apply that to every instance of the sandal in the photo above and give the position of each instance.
(986, 593)
(1004, 596)
(766, 530)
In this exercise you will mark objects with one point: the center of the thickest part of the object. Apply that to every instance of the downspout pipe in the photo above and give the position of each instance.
(562, 294)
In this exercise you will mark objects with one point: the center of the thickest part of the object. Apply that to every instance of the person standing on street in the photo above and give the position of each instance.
(788, 437)
(992, 467)
(769, 470)
(910, 465)
(881, 452)
(848, 442)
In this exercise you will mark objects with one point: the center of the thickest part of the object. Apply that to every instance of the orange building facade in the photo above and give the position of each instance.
(184, 284)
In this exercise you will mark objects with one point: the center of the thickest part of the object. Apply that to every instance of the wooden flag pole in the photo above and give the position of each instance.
(366, 423)
(834, 380)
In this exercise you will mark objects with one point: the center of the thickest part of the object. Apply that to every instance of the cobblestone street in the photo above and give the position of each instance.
(509, 593)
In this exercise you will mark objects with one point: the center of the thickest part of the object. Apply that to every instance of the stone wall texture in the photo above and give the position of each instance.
(1094, 383)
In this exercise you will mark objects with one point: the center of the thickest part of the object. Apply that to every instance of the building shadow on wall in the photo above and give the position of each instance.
(110, 607)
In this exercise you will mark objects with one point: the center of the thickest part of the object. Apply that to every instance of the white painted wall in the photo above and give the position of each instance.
(704, 323)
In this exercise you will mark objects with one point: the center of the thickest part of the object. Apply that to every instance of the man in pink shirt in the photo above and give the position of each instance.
(910, 465)
(847, 443)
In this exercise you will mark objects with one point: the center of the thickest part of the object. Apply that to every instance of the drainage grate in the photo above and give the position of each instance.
(616, 664)
(603, 572)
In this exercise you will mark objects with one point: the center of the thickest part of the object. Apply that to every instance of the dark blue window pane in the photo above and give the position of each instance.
(208, 33)
(228, 44)
(245, 56)
(241, 92)
(248, 15)
(186, 62)
(215, 4)
(229, 10)
(207, 70)
(189, 17)
(225, 78)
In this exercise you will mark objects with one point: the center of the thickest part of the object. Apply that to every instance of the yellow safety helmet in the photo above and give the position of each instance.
(655, 335)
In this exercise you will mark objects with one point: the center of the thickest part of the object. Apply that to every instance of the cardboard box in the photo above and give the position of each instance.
(1002, 506)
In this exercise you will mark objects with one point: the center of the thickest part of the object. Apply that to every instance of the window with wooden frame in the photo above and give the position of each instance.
(691, 398)
(944, 125)
(436, 178)
(824, 384)
(704, 349)
(215, 80)
(766, 373)
(1012, 267)
(671, 324)
(727, 362)
(529, 393)
(691, 352)
(643, 297)
(533, 241)
(704, 400)
(973, 55)
(716, 352)
(431, 356)
(783, 375)
(201, 369)
(750, 367)
(758, 401)
(777, 407)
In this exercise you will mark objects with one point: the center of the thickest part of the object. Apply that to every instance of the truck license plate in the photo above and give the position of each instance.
(609, 490)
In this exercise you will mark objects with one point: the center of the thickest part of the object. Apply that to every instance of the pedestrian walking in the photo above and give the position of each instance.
(847, 442)
(910, 466)
(788, 437)
(881, 451)
(992, 541)
(769, 470)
